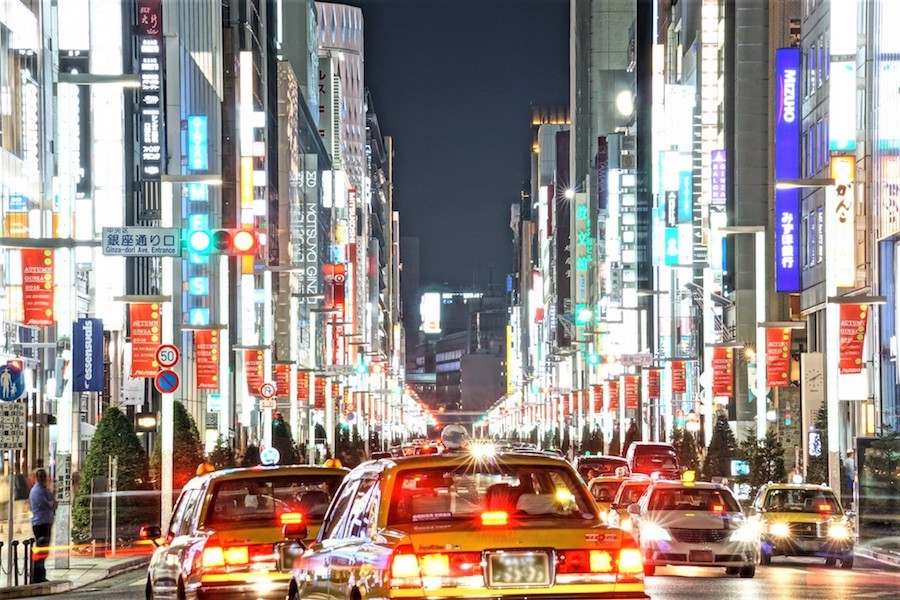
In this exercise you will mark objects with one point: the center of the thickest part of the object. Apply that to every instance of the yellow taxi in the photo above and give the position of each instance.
(630, 491)
(467, 524)
(604, 489)
(804, 520)
(226, 536)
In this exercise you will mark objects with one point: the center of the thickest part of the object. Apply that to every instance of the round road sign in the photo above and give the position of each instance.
(270, 456)
(166, 382)
(267, 390)
(167, 356)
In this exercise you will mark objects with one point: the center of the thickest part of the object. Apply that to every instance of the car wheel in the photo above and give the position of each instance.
(765, 558)
(649, 569)
(731, 570)
(830, 562)
(847, 563)
(748, 572)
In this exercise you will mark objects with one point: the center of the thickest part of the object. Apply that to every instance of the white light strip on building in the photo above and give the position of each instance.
(709, 93)
(245, 80)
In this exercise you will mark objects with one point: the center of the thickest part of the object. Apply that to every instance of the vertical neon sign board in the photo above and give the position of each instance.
(787, 166)
(198, 143)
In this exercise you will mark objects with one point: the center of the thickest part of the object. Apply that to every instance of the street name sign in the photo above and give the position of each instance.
(141, 241)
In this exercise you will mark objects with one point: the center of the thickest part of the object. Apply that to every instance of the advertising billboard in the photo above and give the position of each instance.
(430, 312)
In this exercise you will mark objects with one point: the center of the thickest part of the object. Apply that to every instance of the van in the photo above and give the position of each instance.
(653, 457)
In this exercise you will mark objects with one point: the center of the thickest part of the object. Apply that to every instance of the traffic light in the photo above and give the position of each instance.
(593, 358)
(362, 368)
(233, 242)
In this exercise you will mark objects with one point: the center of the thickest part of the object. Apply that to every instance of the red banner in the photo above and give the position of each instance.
(632, 392)
(598, 398)
(335, 391)
(852, 336)
(679, 383)
(146, 324)
(302, 386)
(320, 392)
(567, 401)
(206, 349)
(778, 357)
(37, 286)
(283, 381)
(612, 395)
(653, 388)
(254, 363)
(723, 372)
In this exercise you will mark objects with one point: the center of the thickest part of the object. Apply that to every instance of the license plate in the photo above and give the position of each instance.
(518, 569)
(701, 556)
(290, 552)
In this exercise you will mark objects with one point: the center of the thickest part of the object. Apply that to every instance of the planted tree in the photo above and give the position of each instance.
(115, 437)
(722, 450)
(188, 450)
(222, 455)
(766, 459)
(686, 449)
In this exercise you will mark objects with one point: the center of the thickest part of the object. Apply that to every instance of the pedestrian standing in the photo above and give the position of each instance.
(43, 506)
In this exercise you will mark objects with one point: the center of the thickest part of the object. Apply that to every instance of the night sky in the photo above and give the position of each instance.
(453, 82)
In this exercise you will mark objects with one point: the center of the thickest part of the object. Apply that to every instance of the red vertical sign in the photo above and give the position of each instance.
(283, 381)
(612, 395)
(302, 386)
(320, 392)
(778, 357)
(146, 324)
(632, 392)
(206, 349)
(653, 390)
(679, 383)
(37, 286)
(852, 336)
(723, 372)
(598, 398)
(254, 363)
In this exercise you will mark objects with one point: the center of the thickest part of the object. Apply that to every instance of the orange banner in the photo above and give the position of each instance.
(254, 365)
(320, 392)
(598, 398)
(852, 337)
(302, 386)
(206, 349)
(723, 372)
(632, 392)
(283, 381)
(679, 382)
(778, 357)
(146, 324)
(653, 388)
(37, 286)
(612, 395)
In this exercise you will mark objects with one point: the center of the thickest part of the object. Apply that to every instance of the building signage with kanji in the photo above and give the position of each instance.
(141, 241)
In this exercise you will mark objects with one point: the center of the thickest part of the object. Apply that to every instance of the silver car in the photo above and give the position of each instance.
(693, 523)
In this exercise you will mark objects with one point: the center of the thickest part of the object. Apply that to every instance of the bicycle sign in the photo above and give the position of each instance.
(167, 356)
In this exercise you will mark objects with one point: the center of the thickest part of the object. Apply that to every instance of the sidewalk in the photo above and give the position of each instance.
(885, 551)
(83, 570)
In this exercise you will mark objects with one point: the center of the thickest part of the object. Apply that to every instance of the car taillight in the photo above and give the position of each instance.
(290, 518)
(404, 567)
(217, 556)
(584, 561)
(213, 556)
(631, 564)
(434, 565)
(409, 569)
(718, 508)
(494, 518)
(825, 508)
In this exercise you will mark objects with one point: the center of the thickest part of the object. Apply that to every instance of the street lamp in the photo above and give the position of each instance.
(759, 236)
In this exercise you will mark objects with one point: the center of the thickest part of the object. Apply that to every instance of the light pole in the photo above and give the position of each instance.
(759, 236)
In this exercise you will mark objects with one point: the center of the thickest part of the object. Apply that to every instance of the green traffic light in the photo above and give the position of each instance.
(199, 241)
(593, 359)
(362, 368)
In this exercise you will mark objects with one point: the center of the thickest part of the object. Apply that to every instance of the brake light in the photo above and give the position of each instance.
(584, 561)
(825, 507)
(404, 567)
(291, 518)
(237, 555)
(630, 561)
(213, 557)
(494, 518)
(216, 556)
(434, 565)
(601, 561)
(718, 508)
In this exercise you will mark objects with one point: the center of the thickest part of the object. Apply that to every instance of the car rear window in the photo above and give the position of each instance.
(632, 492)
(463, 493)
(655, 462)
(601, 466)
(262, 499)
(605, 491)
(693, 499)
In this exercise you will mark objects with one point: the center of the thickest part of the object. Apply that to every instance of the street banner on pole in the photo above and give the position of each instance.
(87, 355)
(653, 390)
(206, 349)
(302, 386)
(778, 357)
(612, 396)
(723, 372)
(37, 286)
(632, 392)
(145, 338)
(283, 381)
(679, 385)
(852, 337)
(254, 363)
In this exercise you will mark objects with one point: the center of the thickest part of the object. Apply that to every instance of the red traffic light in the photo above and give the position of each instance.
(229, 241)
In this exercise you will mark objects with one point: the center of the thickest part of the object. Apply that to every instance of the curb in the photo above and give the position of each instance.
(888, 558)
(61, 587)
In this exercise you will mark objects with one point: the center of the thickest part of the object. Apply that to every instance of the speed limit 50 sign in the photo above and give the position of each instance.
(167, 356)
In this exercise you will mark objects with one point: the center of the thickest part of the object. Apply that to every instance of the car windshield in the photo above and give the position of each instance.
(693, 499)
(462, 493)
(630, 493)
(263, 498)
(605, 491)
(803, 501)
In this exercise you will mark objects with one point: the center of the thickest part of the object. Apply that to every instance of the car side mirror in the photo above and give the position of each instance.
(152, 533)
(296, 532)
(634, 509)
